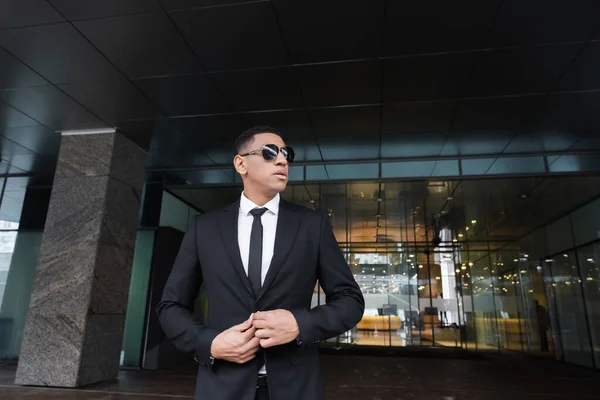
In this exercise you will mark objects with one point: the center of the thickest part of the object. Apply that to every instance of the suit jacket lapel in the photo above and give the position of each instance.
(288, 222)
(229, 232)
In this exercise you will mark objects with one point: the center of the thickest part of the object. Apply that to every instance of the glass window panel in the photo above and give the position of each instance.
(570, 309)
(551, 160)
(559, 235)
(21, 252)
(589, 264)
(407, 169)
(517, 165)
(486, 325)
(294, 173)
(586, 223)
(174, 212)
(316, 173)
(136, 304)
(445, 168)
(353, 171)
(213, 176)
(576, 163)
(477, 166)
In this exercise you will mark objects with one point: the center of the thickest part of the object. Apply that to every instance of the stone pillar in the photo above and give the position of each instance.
(74, 329)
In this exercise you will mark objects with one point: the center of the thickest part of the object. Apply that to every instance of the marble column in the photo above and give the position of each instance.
(74, 329)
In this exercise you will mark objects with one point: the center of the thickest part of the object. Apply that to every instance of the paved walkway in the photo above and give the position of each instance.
(369, 378)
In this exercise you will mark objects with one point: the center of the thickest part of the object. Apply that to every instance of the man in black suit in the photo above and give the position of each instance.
(259, 259)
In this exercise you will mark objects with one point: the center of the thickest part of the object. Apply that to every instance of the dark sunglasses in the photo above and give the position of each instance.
(271, 151)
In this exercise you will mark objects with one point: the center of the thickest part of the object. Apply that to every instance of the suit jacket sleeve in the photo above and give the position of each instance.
(345, 303)
(177, 302)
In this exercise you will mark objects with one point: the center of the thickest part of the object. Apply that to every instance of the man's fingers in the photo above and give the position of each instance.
(265, 343)
(264, 333)
(244, 360)
(244, 325)
(261, 315)
(251, 346)
(260, 324)
(248, 334)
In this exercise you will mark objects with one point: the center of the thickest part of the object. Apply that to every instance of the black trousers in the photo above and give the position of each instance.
(262, 391)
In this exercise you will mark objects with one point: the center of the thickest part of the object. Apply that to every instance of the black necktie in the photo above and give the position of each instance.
(256, 247)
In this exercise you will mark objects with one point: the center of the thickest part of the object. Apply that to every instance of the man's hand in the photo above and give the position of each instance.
(275, 327)
(237, 344)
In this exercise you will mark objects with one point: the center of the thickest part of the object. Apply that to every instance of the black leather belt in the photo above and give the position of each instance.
(262, 381)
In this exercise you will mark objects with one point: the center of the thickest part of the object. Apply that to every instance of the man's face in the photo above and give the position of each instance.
(267, 177)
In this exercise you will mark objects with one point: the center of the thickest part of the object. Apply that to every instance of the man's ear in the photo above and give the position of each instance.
(240, 165)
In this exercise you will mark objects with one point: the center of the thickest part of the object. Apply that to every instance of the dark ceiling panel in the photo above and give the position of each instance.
(350, 149)
(293, 125)
(295, 128)
(539, 21)
(562, 122)
(516, 71)
(166, 144)
(426, 77)
(416, 118)
(486, 142)
(271, 89)
(113, 101)
(15, 74)
(502, 114)
(436, 25)
(542, 142)
(89, 9)
(207, 130)
(184, 95)
(33, 162)
(27, 13)
(346, 123)
(589, 142)
(216, 36)
(51, 107)
(583, 74)
(351, 83)
(11, 118)
(316, 30)
(568, 113)
(183, 4)
(141, 45)
(37, 139)
(59, 53)
(426, 144)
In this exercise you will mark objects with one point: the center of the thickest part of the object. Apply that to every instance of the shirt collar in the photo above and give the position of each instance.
(246, 205)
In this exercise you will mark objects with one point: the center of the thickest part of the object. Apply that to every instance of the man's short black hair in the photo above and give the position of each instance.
(247, 137)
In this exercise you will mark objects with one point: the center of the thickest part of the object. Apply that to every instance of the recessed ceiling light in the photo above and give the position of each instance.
(449, 198)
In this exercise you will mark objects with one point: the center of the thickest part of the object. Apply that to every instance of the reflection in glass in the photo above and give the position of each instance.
(572, 321)
(589, 264)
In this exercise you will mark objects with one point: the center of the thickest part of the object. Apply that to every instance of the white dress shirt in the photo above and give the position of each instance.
(269, 223)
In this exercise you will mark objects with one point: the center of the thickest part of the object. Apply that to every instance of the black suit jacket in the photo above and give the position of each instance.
(305, 251)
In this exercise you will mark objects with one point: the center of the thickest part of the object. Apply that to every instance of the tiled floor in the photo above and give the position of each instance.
(373, 378)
